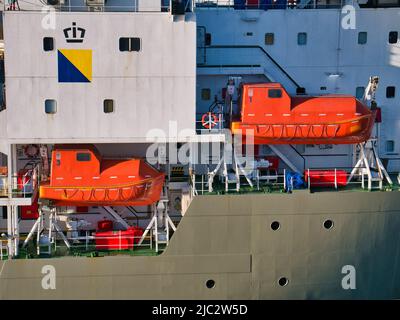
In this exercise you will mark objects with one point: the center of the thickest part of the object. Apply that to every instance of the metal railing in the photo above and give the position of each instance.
(90, 243)
(3, 249)
(22, 185)
(165, 6)
(210, 126)
(336, 178)
(276, 180)
(313, 179)
(268, 5)
(65, 6)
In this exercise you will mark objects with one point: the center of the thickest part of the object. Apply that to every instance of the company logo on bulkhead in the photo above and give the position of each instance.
(74, 65)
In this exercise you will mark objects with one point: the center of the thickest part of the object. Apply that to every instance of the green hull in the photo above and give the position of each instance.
(228, 239)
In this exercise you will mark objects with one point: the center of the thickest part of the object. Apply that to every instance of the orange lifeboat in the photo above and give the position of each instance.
(274, 117)
(81, 177)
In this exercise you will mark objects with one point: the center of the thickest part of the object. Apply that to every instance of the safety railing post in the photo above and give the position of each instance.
(284, 179)
(336, 186)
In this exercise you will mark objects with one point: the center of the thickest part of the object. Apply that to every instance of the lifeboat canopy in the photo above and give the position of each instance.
(80, 176)
(273, 117)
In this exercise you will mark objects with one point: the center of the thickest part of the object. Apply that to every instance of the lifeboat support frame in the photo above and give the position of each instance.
(368, 161)
(51, 216)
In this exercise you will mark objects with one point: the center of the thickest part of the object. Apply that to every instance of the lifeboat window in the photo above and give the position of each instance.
(50, 106)
(48, 44)
(390, 92)
(274, 93)
(269, 39)
(393, 36)
(362, 38)
(389, 146)
(360, 92)
(83, 156)
(302, 38)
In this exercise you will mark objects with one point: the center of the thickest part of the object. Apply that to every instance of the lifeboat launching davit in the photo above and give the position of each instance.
(274, 117)
(81, 177)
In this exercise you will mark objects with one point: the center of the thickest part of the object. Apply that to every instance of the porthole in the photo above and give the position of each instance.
(275, 225)
(283, 281)
(328, 224)
(210, 284)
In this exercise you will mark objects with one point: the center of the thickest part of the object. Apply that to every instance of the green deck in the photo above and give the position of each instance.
(264, 187)
(29, 252)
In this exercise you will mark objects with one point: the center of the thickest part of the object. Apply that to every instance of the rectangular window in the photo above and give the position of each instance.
(274, 93)
(269, 39)
(4, 212)
(302, 38)
(50, 106)
(393, 35)
(362, 38)
(48, 44)
(135, 44)
(360, 92)
(108, 106)
(177, 7)
(129, 44)
(123, 44)
(390, 92)
(205, 94)
(83, 156)
(389, 145)
(207, 41)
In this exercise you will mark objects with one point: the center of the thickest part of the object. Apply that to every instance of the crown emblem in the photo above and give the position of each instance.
(71, 34)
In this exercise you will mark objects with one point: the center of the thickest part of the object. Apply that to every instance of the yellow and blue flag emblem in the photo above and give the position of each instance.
(74, 65)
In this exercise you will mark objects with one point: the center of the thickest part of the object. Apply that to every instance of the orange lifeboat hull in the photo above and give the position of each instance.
(80, 177)
(139, 193)
(355, 130)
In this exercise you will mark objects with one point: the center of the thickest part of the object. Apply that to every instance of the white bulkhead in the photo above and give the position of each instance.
(149, 88)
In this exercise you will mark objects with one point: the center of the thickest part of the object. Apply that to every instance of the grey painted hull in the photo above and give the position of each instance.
(228, 239)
